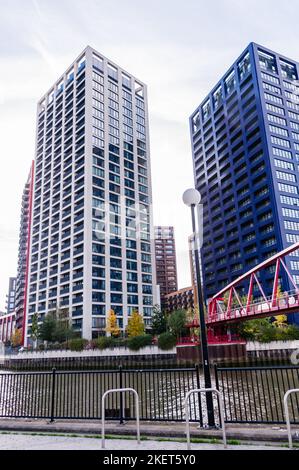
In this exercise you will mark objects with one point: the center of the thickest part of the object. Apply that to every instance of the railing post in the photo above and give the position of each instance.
(217, 387)
(53, 395)
(216, 376)
(121, 399)
(199, 395)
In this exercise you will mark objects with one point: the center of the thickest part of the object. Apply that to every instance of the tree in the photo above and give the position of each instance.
(135, 325)
(235, 302)
(16, 338)
(34, 329)
(112, 325)
(192, 314)
(63, 331)
(167, 341)
(159, 322)
(177, 322)
(280, 321)
(47, 328)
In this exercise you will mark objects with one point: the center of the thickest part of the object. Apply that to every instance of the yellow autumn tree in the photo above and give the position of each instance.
(280, 321)
(16, 338)
(111, 325)
(135, 325)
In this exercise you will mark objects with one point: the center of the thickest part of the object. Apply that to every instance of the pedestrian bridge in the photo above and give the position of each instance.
(228, 307)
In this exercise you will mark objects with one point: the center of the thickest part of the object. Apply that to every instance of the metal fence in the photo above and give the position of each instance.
(77, 394)
(250, 394)
(255, 394)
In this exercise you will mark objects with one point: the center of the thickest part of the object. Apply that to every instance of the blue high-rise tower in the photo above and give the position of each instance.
(245, 144)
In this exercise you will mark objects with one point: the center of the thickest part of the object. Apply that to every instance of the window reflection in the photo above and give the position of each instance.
(195, 122)
(230, 83)
(206, 110)
(217, 98)
(288, 70)
(267, 62)
(244, 66)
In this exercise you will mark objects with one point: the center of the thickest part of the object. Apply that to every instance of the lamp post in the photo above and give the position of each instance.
(192, 198)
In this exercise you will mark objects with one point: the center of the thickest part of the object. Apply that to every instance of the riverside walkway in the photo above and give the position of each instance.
(17, 441)
(246, 434)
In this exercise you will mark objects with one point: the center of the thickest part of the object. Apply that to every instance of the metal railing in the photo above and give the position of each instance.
(287, 414)
(120, 390)
(255, 394)
(221, 411)
(75, 394)
(250, 394)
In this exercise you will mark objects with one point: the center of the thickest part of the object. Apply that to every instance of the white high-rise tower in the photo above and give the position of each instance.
(91, 235)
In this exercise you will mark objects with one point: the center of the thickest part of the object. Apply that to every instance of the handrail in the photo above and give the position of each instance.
(204, 390)
(287, 414)
(121, 390)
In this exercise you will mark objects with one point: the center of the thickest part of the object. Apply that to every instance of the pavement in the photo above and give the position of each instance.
(248, 433)
(37, 442)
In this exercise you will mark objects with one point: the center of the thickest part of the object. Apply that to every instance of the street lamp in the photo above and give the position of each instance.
(192, 198)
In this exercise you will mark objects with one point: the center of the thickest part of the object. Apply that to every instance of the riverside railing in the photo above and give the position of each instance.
(77, 394)
(250, 394)
(255, 394)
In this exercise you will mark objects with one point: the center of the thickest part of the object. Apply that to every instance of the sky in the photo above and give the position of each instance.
(180, 49)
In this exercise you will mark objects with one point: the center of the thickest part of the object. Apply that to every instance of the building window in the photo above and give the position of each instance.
(277, 120)
(286, 176)
(295, 267)
(271, 88)
(270, 78)
(292, 213)
(291, 201)
(293, 105)
(288, 188)
(292, 238)
(281, 142)
(230, 83)
(288, 70)
(217, 98)
(289, 225)
(294, 125)
(274, 99)
(282, 153)
(275, 109)
(244, 66)
(81, 64)
(283, 164)
(279, 131)
(206, 110)
(292, 96)
(267, 62)
(269, 242)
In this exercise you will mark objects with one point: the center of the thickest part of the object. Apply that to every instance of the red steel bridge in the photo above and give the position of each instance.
(227, 308)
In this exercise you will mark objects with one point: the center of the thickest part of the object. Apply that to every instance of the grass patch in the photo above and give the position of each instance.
(234, 442)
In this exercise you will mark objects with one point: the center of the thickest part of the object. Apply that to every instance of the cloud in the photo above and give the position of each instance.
(180, 49)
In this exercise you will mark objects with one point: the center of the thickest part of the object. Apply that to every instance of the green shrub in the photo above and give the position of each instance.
(77, 344)
(104, 342)
(137, 342)
(291, 332)
(54, 346)
(41, 347)
(166, 341)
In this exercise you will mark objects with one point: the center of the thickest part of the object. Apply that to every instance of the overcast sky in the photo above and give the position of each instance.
(179, 48)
